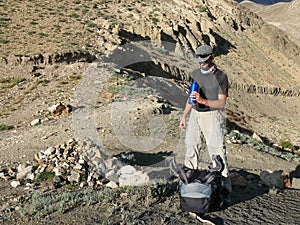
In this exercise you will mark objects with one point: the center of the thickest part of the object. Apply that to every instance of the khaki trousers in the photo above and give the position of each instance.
(212, 125)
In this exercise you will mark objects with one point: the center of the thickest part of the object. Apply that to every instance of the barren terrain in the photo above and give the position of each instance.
(47, 55)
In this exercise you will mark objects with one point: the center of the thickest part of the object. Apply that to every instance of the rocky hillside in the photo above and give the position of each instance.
(49, 49)
(283, 14)
(249, 49)
(46, 48)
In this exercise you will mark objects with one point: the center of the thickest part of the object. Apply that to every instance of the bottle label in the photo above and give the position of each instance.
(194, 87)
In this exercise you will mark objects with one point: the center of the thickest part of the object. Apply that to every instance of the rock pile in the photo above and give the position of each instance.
(77, 163)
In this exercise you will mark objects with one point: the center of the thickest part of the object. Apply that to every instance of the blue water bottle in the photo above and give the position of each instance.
(194, 87)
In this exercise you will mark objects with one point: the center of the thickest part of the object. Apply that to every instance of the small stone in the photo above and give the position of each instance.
(35, 122)
(81, 161)
(296, 183)
(124, 195)
(77, 167)
(256, 137)
(57, 179)
(23, 172)
(82, 184)
(53, 107)
(74, 177)
(2, 175)
(15, 183)
(112, 185)
(49, 151)
(30, 176)
(127, 169)
(57, 171)
(273, 191)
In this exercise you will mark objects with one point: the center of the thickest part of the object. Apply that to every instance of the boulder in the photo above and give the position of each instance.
(274, 179)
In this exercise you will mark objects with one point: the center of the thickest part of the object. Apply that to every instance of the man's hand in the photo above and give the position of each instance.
(182, 123)
(198, 98)
(219, 104)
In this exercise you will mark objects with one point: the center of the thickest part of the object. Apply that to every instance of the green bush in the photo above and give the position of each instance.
(5, 127)
(287, 144)
(9, 83)
(45, 176)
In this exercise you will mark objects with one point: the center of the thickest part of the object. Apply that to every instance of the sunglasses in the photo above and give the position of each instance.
(203, 56)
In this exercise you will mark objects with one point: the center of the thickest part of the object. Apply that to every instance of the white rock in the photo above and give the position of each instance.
(57, 171)
(35, 122)
(49, 151)
(135, 179)
(30, 176)
(81, 161)
(77, 167)
(112, 184)
(15, 183)
(74, 177)
(256, 137)
(127, 169)
(2, 175)
(65, 165)
(53, 107)
(23, 172)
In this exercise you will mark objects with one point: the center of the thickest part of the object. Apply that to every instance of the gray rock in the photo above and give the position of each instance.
(131, 177)
(295, 183)
(74, 177)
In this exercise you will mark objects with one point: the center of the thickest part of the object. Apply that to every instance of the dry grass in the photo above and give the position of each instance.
(32, 27)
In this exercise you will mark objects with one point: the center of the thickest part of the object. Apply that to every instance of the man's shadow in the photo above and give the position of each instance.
(251, 189)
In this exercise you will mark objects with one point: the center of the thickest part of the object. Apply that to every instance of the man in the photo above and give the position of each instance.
(207, 113)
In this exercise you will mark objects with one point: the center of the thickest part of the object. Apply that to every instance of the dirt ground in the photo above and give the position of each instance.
(129, 108)
(251, 204)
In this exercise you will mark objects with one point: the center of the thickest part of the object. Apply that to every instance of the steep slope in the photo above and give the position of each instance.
(255, 52)
(284, 15)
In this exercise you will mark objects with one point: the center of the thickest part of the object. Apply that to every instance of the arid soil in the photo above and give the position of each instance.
(29, 89)
(252, 203)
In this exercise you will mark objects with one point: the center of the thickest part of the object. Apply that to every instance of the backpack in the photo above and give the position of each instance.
(201, 191)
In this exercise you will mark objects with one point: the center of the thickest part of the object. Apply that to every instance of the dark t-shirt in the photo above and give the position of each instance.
(210, 86)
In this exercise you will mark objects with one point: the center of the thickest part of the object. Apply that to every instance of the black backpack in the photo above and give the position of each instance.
(201, 191)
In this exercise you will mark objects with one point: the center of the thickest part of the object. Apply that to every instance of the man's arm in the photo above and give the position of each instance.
(186, 111)
(218, 104)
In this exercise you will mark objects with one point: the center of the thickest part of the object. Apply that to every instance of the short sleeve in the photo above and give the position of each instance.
(224, 85)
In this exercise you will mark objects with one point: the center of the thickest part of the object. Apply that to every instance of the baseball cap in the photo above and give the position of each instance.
(203, 53)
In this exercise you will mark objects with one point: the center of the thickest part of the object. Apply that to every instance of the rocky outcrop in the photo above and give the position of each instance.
(49, 59)
(256, 89)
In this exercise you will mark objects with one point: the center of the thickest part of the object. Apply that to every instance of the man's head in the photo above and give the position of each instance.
(204, 56)
(203, 53)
